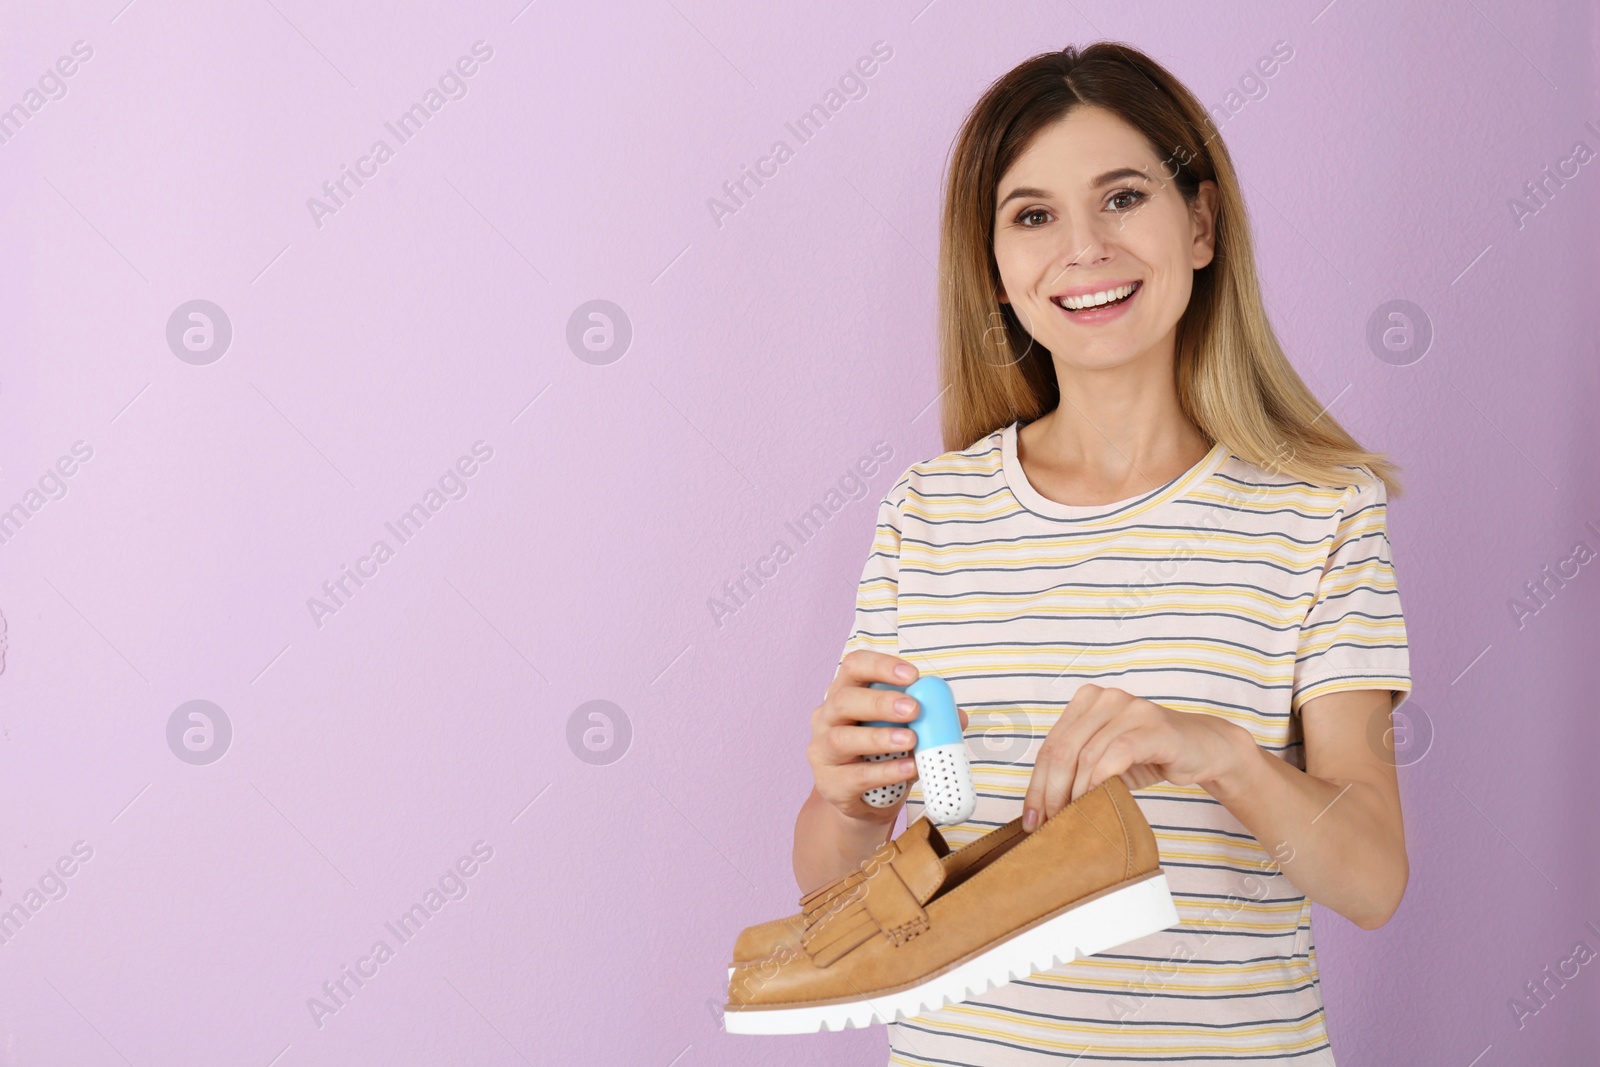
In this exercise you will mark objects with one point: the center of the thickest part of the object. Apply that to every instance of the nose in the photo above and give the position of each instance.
(1090, 251)
(1087, 241)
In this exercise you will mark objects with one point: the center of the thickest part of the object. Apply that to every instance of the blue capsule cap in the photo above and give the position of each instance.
(937, 722)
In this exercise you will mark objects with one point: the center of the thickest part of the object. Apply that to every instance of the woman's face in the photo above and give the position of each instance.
(1089, 207)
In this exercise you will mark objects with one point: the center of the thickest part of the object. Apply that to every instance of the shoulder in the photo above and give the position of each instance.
(1364, 514)
(1267, 486)
(958, 472)
(1365, 499)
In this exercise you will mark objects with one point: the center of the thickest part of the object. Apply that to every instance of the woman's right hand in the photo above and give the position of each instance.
(838, 740)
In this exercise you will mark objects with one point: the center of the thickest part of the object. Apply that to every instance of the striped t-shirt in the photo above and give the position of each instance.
(1228, 591)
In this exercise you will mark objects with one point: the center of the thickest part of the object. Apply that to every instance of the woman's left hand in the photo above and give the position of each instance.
(1103, 732)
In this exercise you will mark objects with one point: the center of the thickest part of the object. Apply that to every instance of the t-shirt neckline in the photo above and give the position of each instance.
(1099, 514)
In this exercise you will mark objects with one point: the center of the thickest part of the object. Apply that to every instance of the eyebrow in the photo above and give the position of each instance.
(1105, 179)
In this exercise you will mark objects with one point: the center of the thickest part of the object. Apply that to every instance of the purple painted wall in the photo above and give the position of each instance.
(439, 707)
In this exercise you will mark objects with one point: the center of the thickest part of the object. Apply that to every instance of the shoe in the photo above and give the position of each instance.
(762, 940)
(906, 933)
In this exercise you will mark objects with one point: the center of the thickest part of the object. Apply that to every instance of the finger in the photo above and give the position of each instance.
(844, 786)
(1083, 713)
(1116, 761)
(1120, 760)
(850, 706)
(1057, 781)
(1143, 775)
(860, 777)
(864, 666)
(1047, 788)
(847, 743)
(1090, 708)
(1033, 800)
(1050, 751)
(1111, 745)
(1094, 748)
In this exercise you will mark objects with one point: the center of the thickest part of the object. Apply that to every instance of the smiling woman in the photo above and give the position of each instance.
(1150, 552)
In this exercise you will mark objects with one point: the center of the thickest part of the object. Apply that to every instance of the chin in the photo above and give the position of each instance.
(1098, 360)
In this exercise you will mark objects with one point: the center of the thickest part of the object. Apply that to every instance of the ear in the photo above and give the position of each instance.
(1203, 221)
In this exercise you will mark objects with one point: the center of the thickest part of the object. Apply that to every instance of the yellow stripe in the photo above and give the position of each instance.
(1269, 497)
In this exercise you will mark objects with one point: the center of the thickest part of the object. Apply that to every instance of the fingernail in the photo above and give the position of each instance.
(902, 737)
(904, 671)
(904, 706)
(1030, 819)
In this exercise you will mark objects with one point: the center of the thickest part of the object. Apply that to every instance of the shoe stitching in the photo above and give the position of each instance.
(1127, 867)
(1096, 825)
(899, 935)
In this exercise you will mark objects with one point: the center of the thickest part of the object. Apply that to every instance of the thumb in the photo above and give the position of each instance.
(962, 712)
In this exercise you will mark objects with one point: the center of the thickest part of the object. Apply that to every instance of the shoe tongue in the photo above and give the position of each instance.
(919, 864)
(923, 831)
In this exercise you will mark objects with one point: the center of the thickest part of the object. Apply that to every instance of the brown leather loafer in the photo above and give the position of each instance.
(762, 940)
(907, 933)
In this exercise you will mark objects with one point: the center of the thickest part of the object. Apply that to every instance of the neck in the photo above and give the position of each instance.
(1116, 422)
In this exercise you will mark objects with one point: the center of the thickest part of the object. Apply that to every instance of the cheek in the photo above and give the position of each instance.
(1154, 232)
(1171, 301)
(1009, 259)
(1021, 258)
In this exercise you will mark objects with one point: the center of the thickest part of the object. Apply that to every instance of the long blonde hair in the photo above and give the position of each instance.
(1233, 379)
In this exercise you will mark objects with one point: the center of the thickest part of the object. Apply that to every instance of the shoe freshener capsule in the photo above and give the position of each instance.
(942, 768)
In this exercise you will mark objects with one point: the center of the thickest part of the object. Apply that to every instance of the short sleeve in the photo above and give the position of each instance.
(1354, 635)
(876, 625)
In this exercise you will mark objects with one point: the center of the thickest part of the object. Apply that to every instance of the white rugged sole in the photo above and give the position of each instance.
(1128, 914)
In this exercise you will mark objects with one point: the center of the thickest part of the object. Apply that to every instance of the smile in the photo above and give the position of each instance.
(1096, 301)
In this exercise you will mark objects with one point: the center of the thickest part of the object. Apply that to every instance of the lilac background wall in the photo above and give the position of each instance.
(434, 709)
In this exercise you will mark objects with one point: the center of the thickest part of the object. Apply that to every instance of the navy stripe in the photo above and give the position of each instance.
(1256, 995)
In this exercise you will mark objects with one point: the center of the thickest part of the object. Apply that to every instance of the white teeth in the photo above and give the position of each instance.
(1077, 303)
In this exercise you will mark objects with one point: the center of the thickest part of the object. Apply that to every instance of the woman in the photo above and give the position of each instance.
(1149, 552)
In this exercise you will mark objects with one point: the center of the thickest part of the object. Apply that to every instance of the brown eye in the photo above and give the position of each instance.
(1030, 213)
(1137, 197)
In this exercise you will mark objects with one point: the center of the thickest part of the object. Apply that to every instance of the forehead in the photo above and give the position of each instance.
(1074, 150)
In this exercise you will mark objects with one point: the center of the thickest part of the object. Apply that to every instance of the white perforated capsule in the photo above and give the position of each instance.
(942, 767)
